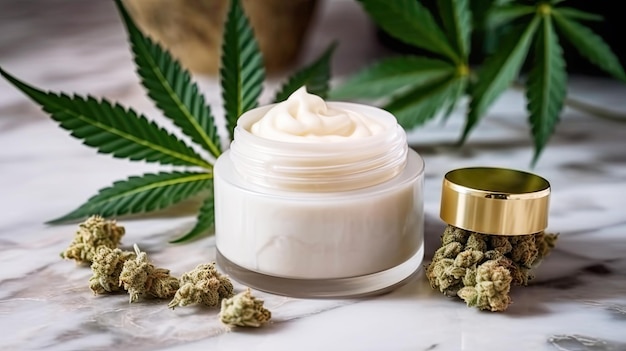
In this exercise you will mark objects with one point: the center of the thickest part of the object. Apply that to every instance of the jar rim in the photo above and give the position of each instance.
(320, 166)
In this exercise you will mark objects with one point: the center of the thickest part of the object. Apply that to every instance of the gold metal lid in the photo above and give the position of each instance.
(495, 201)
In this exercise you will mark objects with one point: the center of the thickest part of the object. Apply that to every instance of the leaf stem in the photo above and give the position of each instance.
(595, 110)
(582, 106)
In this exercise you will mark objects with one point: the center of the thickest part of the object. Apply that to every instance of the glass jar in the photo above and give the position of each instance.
(320, 219)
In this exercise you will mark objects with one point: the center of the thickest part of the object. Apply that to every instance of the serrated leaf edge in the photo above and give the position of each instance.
(38, 95)
(245, 70)
(142, 44)
(92, 207)
(205, 220)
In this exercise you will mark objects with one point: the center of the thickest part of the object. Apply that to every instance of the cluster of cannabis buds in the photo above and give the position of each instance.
(96, 243)
(481, 268)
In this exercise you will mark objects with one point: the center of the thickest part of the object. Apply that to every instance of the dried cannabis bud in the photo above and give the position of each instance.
(491, 289)
(203, 285)
(91, 234)
(244, 310)
(106, 267)
(481, 268)
(141, 278)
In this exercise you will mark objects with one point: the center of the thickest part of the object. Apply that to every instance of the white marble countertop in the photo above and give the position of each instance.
(577, 302)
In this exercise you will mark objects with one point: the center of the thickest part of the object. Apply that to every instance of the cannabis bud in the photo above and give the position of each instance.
(141, 278)
(512, 207)
(106, 267)
(91, 234)
(481, 268)
(203, 285)
(244, 310)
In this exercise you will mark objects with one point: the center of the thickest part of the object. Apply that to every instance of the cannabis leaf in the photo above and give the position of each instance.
(410, 22)
(417, 88)
(457, 23)
(314, 76)
(206, 219)
(588, 44)
(123, 133)
(390, 75)
(545, 89)
(171, 88)
(242, 71)
(142, 194)
(111, 128)
(498, 73)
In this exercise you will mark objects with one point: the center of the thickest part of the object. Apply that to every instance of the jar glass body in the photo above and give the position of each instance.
(319, 241)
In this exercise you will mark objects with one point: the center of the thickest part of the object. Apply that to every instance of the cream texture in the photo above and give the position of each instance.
(305, 117)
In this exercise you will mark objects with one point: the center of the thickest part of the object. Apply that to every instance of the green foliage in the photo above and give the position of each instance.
(498, 72)
(315, 77)
(410, 22)
(206, 218)
(589, 44)
(521, 33)
(390, 75)
(545, 90)
(242, 70)
(111, 128)
(457, 24)
(171, 88)
(123, 133)
(146, 193)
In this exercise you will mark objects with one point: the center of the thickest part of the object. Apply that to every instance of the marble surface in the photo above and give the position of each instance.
(577, 302)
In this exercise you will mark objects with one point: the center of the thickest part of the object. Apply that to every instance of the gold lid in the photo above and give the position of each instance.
(495, 201)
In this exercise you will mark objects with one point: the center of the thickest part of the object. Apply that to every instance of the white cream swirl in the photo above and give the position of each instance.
(305, 117)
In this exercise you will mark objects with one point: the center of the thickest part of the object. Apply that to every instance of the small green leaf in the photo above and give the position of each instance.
(171, 88)
(112, 129)
(242, 71)
(457, 23)
(546, 86)
(498, 72)
(205, 221)
(420, 104)
(410, 22)
(146, 193)
(314, 76)
(575, 14)
(589, 45)
(502, 15)
(458, 90)
(389, 75)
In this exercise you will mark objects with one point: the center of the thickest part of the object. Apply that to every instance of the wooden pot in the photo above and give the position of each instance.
(192, 29)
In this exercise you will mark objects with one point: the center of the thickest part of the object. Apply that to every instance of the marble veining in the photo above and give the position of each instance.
(576, 302)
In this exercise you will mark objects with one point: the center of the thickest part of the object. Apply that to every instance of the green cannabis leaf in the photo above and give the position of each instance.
(409, 21)
(390, 75)
(418, 88)
(112, 129)
(123, 133)
(314, 76)
(171, 88)
(545, 90)
(242, 71)
(149, 192)
(206, 218)
(498, 72)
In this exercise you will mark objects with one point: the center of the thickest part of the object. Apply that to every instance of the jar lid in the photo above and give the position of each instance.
(495, 201)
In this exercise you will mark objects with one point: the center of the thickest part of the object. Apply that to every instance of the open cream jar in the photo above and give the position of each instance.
(318, 199)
